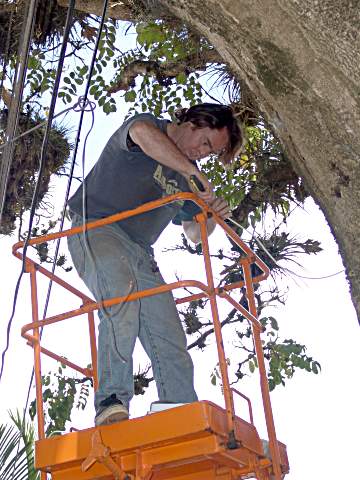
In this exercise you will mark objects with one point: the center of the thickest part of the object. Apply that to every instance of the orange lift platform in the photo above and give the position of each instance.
(196, 441)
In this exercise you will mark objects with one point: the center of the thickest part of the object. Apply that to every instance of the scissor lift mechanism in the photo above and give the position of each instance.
(196, 441)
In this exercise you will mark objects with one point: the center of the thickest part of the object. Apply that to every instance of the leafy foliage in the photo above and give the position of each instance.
(142, 381)
(283, 357)
(63, 395)
(261, 177)
(17, 450)
(44, 250)
(166, 68)
(60, 393)
(25, 165)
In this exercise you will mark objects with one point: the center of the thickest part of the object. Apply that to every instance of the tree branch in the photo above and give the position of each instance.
(200, 341)
(161, 71)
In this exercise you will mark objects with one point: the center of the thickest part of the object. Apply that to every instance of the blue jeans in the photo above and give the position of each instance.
(118, 266)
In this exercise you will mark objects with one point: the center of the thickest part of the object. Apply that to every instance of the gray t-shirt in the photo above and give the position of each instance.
(124, 178)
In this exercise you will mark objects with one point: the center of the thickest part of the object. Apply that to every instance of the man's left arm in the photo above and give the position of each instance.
(192, 228)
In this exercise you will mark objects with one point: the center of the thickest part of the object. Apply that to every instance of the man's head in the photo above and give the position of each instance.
(208, 128)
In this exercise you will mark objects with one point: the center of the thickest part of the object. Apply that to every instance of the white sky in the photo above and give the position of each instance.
(317, 416)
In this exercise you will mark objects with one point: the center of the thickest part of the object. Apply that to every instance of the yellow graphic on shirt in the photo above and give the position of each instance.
(169, 187)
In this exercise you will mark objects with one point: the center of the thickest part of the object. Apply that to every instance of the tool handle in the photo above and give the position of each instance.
(195, 184)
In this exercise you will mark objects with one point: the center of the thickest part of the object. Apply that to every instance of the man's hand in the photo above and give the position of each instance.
(221, 207)
(206, 193)
(192, 228)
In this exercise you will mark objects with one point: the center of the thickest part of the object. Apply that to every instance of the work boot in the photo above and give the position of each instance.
(111, 410)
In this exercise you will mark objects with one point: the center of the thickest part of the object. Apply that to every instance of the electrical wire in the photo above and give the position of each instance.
(84, 214)
(39, 125)
(62, 221)
(68, 24)
(40, 173)
(86, 106)
(14, 111)
(83, 105)
(77, 107)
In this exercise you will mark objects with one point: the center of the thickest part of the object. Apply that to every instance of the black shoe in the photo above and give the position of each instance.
(111, 410)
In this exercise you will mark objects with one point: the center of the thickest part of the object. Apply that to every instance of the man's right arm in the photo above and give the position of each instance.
(157, 145)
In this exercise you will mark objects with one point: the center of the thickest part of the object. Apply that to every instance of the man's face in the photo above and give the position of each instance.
(197, 143)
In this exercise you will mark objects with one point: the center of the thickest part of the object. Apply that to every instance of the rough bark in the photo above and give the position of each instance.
(301, 61)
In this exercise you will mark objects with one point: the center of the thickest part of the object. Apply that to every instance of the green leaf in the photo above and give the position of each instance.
(130, 96)
(274, 323)
(251, 366)
(314, 368)
(181, 78)
(33, 63)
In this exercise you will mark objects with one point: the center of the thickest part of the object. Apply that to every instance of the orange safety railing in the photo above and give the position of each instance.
(207, 291)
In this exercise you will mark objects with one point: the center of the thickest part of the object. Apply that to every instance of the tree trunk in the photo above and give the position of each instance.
(301, 61)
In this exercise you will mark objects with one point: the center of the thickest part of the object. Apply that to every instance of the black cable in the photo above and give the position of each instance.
(83, 108)
(83, 105)
(68, 24)
(40, 173)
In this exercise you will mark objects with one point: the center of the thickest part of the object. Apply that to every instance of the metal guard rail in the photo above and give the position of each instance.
(208, 291)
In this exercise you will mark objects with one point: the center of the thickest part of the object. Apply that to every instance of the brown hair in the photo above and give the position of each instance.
(216, 116)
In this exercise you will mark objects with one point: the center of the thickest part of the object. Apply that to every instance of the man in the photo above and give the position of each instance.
(145, 159)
